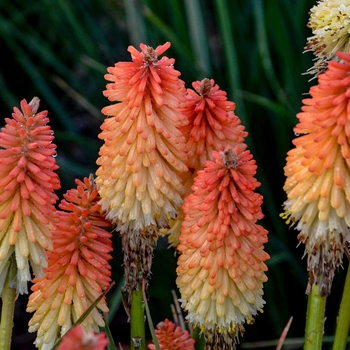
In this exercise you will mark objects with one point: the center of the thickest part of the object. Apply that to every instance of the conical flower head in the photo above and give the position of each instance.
(318, 174)
(329, 21)
(212, 123)
(143, 153)
(221, 267)
(27, 198)
(78, 270)
(143, 148)
(172, 337)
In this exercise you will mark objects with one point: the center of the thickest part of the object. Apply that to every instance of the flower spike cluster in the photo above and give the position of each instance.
(143, 153)
(172, 337)
(78, 270)
(329, 21)
(221, 268)
(211, 126)
(27, 184)
(318, 174)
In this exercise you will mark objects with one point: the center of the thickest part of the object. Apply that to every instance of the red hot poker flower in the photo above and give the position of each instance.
(172, 337)
(221, 266)
(78, 270)
(143, 153)
(318, 174)
(143, 148)
(212, 123)
(27, 185)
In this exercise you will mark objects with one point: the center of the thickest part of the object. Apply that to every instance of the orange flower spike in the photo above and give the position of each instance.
(78, 268)
(144, 153)
(221, 266)
(212, 123)
(77, 339)
(144, 149)
(318, 176)
(172, 337)
(27, 184)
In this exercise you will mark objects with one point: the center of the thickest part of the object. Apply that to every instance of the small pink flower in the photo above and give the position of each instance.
(76, 339)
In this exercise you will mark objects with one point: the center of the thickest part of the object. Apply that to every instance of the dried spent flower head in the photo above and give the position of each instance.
(212, 123)
(329, 21)
(77, 339)
(143, 153)
(221, 266)
(318, 175)
(27, 184)
(78, 270)
(172, 337)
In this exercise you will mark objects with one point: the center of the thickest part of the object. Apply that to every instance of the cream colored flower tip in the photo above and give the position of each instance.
(144, 151)
(330, 24)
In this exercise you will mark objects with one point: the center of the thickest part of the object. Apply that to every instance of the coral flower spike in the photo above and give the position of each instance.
(318, 174)
(212, 123)
(143, 153)
(78, 270)
(172, 337)
(221, 267)
(27, 198)
(211, 126)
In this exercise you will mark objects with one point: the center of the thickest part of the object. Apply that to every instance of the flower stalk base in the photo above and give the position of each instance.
(343, 325)
(8, 307)
(137, 320)
(315, 318)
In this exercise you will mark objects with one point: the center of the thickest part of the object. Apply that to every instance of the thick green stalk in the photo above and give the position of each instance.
(137, 320)
(8, 307)
(314, 319)
(199, 338)
(342, 330)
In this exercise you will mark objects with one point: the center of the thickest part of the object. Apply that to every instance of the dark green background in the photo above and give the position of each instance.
(59, 51)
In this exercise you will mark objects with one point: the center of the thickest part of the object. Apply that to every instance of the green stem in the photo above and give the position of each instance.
(315, 319)
(137, 320)
(342, 330)
(199, 338)
(8, 307)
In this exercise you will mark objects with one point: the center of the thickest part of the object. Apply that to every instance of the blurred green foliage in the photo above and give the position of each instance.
(59, 51)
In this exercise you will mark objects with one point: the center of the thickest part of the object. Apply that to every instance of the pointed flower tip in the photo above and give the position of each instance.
(172, 337)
